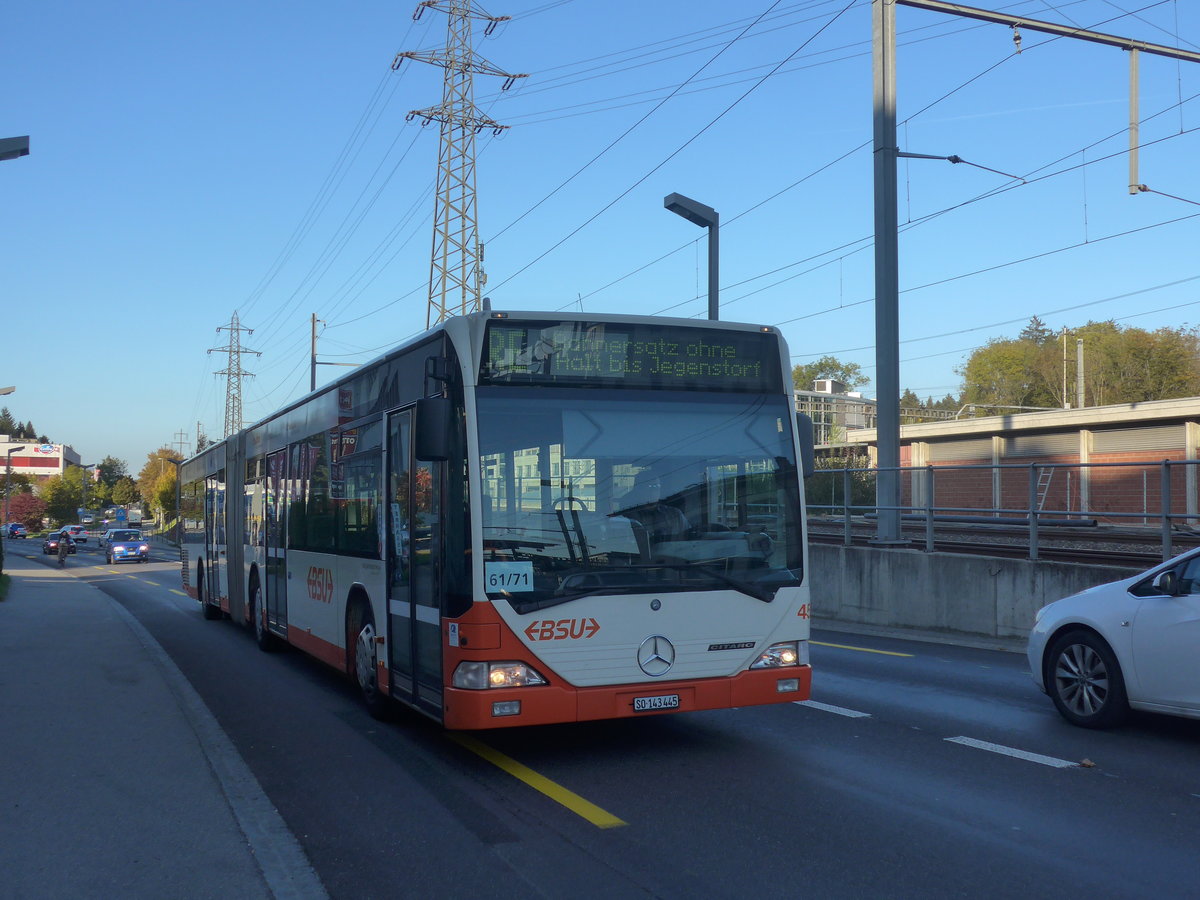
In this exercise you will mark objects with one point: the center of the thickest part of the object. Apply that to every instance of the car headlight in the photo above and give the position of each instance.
(779, 655)
(144, 548)
(479, 676)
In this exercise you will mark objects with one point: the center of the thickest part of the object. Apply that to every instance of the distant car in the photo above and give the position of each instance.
(1122, 645)
(78, 533)
(126, 544)
(50, 544)
(16, 530)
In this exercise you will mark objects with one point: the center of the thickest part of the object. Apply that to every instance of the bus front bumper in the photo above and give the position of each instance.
(550, 704)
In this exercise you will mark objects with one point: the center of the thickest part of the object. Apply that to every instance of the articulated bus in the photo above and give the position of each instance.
(525, 518)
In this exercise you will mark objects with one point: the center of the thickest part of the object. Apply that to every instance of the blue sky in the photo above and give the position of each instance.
(192, 159)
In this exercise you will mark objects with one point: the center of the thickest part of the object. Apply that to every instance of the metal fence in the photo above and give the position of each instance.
(1129, 495)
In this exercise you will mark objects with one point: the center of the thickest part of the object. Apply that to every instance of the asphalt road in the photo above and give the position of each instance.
(920, 770)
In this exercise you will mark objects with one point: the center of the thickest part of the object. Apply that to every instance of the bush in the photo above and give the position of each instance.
(827, 486)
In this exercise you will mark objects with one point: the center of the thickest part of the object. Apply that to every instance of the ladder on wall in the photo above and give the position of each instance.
(1043, 487)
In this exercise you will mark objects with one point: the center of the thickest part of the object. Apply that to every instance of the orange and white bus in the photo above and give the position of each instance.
(526, 518)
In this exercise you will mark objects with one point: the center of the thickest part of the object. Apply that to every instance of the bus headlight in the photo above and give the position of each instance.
(778, 655)
(479, 676)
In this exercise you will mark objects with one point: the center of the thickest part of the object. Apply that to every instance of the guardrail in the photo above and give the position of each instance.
(1162, 495)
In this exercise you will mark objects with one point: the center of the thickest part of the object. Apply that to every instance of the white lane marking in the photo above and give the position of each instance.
(1052, 761)
(837, 710)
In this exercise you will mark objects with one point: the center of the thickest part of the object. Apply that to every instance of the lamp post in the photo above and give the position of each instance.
(14, 147)
(705, 217)
(8, 479)
(83, 482)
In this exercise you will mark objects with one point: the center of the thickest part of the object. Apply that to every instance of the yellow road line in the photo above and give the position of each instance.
(861, 649)
(556, 792)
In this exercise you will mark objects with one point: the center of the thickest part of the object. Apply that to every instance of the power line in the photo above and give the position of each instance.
(675, 152)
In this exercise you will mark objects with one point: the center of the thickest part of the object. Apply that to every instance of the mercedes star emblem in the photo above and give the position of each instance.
(656, 655)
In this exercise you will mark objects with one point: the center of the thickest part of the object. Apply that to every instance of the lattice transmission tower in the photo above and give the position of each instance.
(234, 373)
(456, 275)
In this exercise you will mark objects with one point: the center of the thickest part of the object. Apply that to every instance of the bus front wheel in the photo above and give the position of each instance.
(366, 670)
(262, 636)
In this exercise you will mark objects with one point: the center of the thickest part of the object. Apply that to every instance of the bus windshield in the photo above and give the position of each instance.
(595, 492)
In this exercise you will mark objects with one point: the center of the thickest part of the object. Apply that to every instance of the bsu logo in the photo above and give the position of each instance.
(320, 584)
(562, 629)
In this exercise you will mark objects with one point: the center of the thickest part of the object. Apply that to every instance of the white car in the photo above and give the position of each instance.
(1127, 644)
(78, 533)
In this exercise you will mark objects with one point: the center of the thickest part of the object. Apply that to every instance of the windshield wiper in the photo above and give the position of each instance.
(757, 591)
(556, 599)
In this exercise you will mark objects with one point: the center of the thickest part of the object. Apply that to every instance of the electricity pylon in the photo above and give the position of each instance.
(456, 275)
(234, 373)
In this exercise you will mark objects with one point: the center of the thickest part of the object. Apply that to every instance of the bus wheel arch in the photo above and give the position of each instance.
(362, 651)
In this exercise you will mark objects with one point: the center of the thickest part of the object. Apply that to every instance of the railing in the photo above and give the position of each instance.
(1165, 496)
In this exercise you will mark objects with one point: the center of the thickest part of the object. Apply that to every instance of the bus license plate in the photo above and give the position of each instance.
(663, 701)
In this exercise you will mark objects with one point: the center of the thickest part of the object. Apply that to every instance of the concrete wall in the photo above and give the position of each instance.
(945, 592)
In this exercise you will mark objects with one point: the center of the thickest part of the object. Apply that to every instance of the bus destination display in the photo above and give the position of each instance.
(653, 356)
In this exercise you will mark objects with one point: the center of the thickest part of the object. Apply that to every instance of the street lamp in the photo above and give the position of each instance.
(6, 390)
(14, 147)
(8, 479)
(705, 217)
(83, 481)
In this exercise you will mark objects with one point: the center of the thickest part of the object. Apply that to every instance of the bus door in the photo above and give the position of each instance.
(214, 535)
(414, 565)
(275, 543)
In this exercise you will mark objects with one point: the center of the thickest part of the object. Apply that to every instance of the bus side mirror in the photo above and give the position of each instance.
(804, 428)
(432, 429)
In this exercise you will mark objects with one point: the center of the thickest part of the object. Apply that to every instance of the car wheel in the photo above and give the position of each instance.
(1085, 682)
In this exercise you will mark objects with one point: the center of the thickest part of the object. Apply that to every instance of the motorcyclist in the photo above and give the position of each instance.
(64, 547)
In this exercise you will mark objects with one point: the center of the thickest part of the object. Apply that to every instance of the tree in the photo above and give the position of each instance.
(154, 471)
(849, 374)
(124, 491)
(1036, 332)
(28, 510)
(8, 424)
(112, 470)
(63, 495)
(164, 496)
(98, 495)
(16, 483)
(1121, 365)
